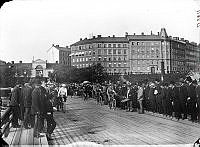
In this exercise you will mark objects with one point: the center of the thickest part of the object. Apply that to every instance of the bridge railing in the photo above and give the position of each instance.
(6, 119)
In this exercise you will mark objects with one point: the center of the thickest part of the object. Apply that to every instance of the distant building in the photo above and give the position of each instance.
(137, 53)
(60, 55)
(37, 68)
(111, 52)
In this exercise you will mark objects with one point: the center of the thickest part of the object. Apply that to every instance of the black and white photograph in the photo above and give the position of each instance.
(95, 73)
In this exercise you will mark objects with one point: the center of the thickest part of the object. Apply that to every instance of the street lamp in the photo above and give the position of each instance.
(162, 62)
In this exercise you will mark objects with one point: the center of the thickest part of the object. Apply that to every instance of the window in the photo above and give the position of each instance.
(138, 43)
(110, 65)
(119, 64)
(119, 45)
(105, 45)
(114, 51)
(99, 51)
(105, 51)
(125, 45)
(133, 43)
(109, 51)
(114, 45)
(119, 59)
(73, 60)
(105, 59)
(77, 60)
(109, 45)
(114, 58)
(109, 59)
(119, 51)
(99, 59)
(83, 59)
(125, 51)
(86, 59)
(93, 52)
(114, 65)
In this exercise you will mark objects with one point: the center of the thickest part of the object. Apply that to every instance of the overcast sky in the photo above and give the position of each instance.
(29, 27)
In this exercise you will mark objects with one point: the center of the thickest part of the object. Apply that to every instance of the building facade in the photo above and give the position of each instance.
(60, 55)
(137, 53)
(111, 52)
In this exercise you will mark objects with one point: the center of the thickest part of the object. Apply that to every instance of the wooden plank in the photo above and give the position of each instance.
(30, 139)
(43, 140)
(23, 138)
(11, 135)
(17, 136)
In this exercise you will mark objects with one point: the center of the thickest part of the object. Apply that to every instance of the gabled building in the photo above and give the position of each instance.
(60, 55)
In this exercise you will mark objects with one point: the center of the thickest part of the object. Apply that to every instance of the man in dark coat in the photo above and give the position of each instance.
(152, 98)
(183, 98)
(198, 101)
(27, 97)
(191, 100)
(15, 106)
(38, 107)
(174, 96)
(51, 124)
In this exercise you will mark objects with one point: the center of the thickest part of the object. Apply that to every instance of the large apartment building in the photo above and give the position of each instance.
(137, 53)
(111, 52)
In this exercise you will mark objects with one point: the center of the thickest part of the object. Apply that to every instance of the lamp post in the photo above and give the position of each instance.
(162, 62)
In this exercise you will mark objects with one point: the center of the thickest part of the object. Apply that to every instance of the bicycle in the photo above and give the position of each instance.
(112, 102)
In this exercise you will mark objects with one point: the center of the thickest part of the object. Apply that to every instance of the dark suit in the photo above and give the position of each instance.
(174, 96)
(14, 104)
(192, 109)
(27, 98)
(183, 94)
(198, 102)
(152, 99)
(38, 108)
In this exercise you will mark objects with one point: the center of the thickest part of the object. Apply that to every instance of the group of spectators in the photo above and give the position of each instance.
(32, 104)
(180, 100)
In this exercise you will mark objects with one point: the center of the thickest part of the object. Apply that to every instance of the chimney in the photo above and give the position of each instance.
(56, 62)
(142, 33)
(109, 36)
(80, 39)
(12, 62)
(133, 33)
(158, 34)
(98, 36)
(151, 33)
(93, 37)
(53, 45)
(57, 45)
(126, 33)
(20, 61)
(67, 46)
(85, 39)
(113, 36)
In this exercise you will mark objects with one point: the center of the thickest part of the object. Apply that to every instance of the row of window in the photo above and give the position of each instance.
(145, 43)
(100, 45)
(100, 59)
(110, 65)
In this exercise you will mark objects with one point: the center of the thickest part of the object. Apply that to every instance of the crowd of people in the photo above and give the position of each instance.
(34, 103)
(179, 100)
(31, 104)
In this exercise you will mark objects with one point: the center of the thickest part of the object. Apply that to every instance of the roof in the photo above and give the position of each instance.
(102, 40)
(62, 48)
(144, 37)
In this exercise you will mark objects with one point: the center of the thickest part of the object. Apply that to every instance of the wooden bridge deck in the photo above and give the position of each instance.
(86, 121)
